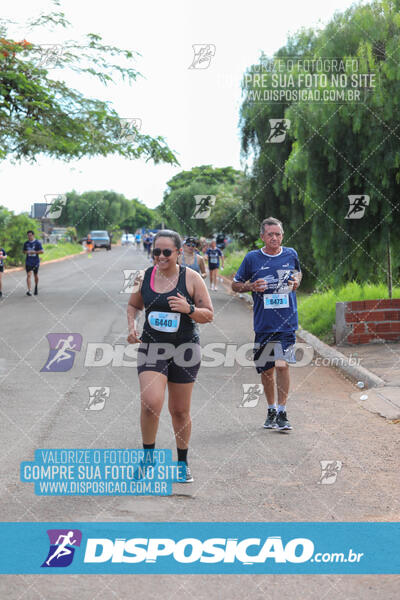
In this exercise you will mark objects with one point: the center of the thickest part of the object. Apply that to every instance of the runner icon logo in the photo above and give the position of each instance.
(129, 129)
(97, 397)
(251, 394)
(203, 207)
(279, 128)
(62, 351)
(329, 471)
(132, 280)
(357, 207)
(62, 547)
(50, 55)
(55, 204)
(203, 54)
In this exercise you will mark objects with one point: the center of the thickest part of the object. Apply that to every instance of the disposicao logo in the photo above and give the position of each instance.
(62, 351)
(62, 547)
(190, 550)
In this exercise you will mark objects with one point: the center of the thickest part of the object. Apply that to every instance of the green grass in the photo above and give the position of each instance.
(233, 262)
(52, 251)
(317, 311)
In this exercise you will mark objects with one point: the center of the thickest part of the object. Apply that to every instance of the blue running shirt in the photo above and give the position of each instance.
(275, 309)
(32, 260)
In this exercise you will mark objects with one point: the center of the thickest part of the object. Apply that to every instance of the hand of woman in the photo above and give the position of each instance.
(133, 337)
(178, 303)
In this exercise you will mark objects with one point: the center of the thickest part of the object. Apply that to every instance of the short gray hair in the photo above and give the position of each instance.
(270, 221)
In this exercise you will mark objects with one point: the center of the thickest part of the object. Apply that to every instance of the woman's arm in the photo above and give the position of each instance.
(202, 266)
(204, 312)
(135, 306)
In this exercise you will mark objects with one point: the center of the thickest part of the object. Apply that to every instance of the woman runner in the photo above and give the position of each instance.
(175, 299)
(191, 258)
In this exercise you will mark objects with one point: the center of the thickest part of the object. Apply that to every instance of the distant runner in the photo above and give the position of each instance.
(32, 248)
(272, 274)
(191, 258)
(89, 244)
(214, 255)
(138, 239)
(147, 243)
(3, 256)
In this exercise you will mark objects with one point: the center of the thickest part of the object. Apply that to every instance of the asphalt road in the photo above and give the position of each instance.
(242, 471)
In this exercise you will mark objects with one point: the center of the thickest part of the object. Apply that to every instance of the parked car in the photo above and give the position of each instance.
(127, 238)
(101, 239)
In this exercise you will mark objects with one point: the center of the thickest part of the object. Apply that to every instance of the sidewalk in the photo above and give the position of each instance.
(378, 368)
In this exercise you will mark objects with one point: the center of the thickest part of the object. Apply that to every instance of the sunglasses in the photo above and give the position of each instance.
(158, 251)
(191, 244)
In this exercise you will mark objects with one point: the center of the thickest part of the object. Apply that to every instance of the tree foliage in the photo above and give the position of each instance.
(39, 114)
(335, 150)
(179, 203)
(104, 210)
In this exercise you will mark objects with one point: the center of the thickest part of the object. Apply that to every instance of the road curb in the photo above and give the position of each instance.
(48, 262)
(340, 361)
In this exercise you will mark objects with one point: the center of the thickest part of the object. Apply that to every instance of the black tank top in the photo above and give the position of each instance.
(161, 324)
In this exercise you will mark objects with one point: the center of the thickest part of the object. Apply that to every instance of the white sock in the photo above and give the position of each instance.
(271, 406)
(281, 407)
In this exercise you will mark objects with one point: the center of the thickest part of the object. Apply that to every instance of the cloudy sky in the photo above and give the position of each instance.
(195, 110)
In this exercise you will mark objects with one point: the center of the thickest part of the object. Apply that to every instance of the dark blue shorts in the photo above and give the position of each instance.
(269, 347)
(34, 268)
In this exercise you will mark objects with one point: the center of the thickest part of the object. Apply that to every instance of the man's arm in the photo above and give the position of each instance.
(240, 287)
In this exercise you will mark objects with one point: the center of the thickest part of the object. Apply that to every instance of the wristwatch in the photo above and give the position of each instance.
(192, 308)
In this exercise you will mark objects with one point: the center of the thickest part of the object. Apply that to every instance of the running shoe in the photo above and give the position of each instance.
(215, 289)
(29, 293)
(270, 422)
(36, 291)
(188, 477)
(282, 422)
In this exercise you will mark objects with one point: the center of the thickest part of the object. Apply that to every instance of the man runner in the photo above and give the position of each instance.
(272, 274)
(32, 248)
(3, 255)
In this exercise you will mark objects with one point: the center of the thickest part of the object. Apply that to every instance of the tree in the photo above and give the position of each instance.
(179, 203)
(42, 115)
(13, 230)
(333, 151)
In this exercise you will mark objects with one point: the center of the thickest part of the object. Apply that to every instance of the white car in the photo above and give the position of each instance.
(127, 238)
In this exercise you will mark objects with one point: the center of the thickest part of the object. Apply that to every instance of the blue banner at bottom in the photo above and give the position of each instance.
(107, 548)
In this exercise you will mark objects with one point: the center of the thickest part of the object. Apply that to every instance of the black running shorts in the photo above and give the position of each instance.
(180, 364)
